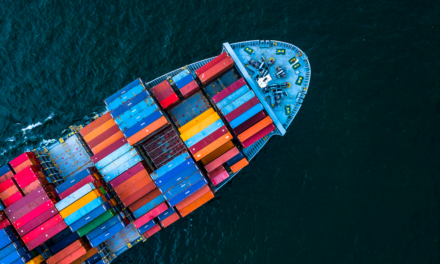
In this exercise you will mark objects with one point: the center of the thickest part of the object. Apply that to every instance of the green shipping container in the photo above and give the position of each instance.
(96, 222)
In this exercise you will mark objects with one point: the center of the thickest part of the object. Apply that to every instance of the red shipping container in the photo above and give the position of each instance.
(248, 123)
(222, 159)
(28, 170)
(6, 176)
(219, 178)
(74, 256)
(137, 195)
(230, 89)
(106, 134)
(259, 135)
(4, 224)
(242, 108)
(131, 181)
(152, 231)
(145, 199)
(37, 221)
(146, 180)
(33, 214)
(128, 174)
(216, 70)
(108, 150)
(22, 158)
(66, 251)
(193, 197)
(216, 172)
(29, 198)
(213, 62)
(161, 95)
(34, 185)
(78, 185)
(208, 140)
(8, 192)
(196, 204)
(150, 215)
(169, 220)
(170, 102)
(49, 233)
(40, 229)
(28, 177)
(165, 85)
(3, 216)
(28, 207)
(13, 199)
(26, 164)
(190, 89)
(95, 124)
(6, 184)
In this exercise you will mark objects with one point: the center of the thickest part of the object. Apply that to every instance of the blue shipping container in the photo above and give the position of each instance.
(73, 180)
(147, 226)
(64, 243)
(128, 235)
(187, 192)
(113, 156)
(237, 103)
(74, 196)
(166, 214)
(125, 97)
(233, 96)
(107, 234)
(246, 115)
(129, 104)
(84, 210)
(174, 172)
(180, 75)
(149, 206)
(138, 117)
(14, 255)
(178, 179)
(14, 246)
(235, 159)
(121, 169)
(204, 133)
(93, 259)
(170, 165)
(183, 185)
(103, 227)
(134, 110)
(87, 218)
(123, 91)
(101, 261)
(142, 124)
(118, 162)
(6, 232)
(184, 81)
(4, 169)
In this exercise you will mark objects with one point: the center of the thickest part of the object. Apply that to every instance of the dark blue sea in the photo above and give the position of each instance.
(354, 180)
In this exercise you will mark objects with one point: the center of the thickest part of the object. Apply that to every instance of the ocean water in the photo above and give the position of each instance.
(354, 180)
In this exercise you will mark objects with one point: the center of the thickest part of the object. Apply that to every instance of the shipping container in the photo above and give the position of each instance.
(136, 187)
(85, 210)
(211, 64)
(147, 226)
(190, 89)
(75, 206)
(31, 213)
(196, 120)
(22, 175)
(39, 183)
(150, 215)
(242, 104)
(259, 135)
(40, 229)
(149, 206)
(103, 136)
(103, 227)
(107, 234)
(180, 75)
(107, 142)
(144, 200)
(75, 196)
(170, 183)
(26, 164)
(96, 222)
(64, 243)
(144, 95)
(229, 90)
(87, 180)
(118, 161)
(233, 97)
(37, 260)
(95, 124)
(94, 259)
(128, 237)
(7, 184)
(123, 168)
(222, 159)
(4, 223)
(133, 180)
(235, 159)
(143, 124)
(208, 140)
(169, 220)
(199, 126)
(184, 81)
(175, 172)
(125, 97)
(49, 233)
(196, 204)
(153, 127)
(123, 91)
(183, 185)
(128, 174)
(217, 152)
(14, 255)
(8, 192)
(166, 214)
(13, 199)
(170, 102)
(99, 130)
(5, 169)
(26, 200)
(109, 149)
(14, 246)
(134, 110)
(22, 158)
(90, 216)
(246, 115)
(215, 145)
(204, 133)
(219, 178)
(32, 224)
(161, 86)
(216, 70)
(91, 253)
(133, 197)
(187, 192)
(113, 156)
(152, 231)
(75, 255)
(73, 180)
(170, 165)
(255, 128)
(145, 113)
(163, 94)
(248, 123)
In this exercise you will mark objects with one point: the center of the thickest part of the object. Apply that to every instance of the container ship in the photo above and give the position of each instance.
(159, 151)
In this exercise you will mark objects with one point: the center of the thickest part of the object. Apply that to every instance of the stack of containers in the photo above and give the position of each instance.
(11, 249)
(205, 134)
(10, 193)
(165, 94)
(5, 173)
(123, 240)
(32, 177)
(35, 217)
(135, 112)
(4, 221)
(23, 161)
(186, 83)
(70, 253)
(217, 66)
(179, 180)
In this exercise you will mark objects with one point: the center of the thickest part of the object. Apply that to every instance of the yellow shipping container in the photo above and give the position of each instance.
(80, 203)
(37, 260)
(196, 120)
(200, 126)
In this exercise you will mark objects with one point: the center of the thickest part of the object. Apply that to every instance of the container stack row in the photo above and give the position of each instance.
(216, 67)
(135, 112)
(182, 184)
(164, 146)
(12, 249)
(165, 94)
(186, 83)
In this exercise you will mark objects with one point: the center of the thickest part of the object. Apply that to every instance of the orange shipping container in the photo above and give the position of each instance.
(152, 231)
(156, 125)
(6, 176)
(239, 165)
(112, 139)
(216, 153)
(86, 256)
(216, 70)
(8, 192)
(255, 128)
(66, 251)
(213, 146)
(193, 197)
(130, 181)
(74, 256)
(145, 199)
(92, 126)
(26, 164)
(34, 185)
(99, 130)
(196, 204)
(135, 187)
